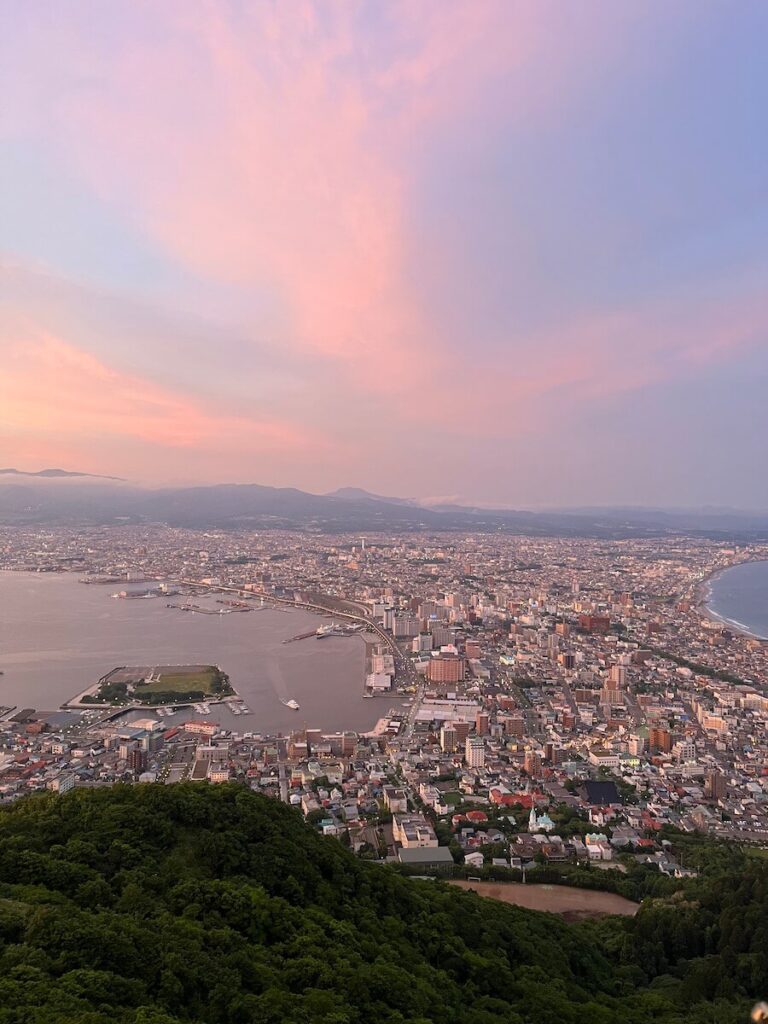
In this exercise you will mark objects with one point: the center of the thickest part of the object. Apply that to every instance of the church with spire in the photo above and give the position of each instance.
(539, 823)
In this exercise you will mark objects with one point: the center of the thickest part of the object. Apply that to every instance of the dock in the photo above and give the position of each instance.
(300, 636)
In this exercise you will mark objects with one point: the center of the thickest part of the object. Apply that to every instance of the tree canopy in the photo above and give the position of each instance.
(213, 905)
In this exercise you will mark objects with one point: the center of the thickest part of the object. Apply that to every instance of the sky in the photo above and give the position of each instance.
(512, 253)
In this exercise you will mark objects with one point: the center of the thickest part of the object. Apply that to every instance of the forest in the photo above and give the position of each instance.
(213, 905)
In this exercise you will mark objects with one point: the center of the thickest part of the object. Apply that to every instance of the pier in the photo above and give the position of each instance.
(300, 636)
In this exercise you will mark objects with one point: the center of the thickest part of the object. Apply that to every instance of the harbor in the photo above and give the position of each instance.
(68, 635)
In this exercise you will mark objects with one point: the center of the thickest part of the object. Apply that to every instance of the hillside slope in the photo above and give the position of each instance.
(152, 905)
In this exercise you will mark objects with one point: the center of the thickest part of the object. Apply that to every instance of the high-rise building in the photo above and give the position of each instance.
(715, 785)
(405, 625)
(422, 643)
(660, 739)
(514, 725)
(618, 677)
(594, 623)
(448, 737)
(612, 695)
(442, 635)
(482, 723)
(474, 752)
(532, 763)
(137, 760)
(445, 668)
(462, 731)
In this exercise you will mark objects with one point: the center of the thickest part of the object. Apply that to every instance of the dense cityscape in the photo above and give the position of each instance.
(537, 701)
(383, 514)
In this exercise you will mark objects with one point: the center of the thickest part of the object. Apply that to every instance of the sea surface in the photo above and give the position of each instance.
(59, 636)
(739, 596)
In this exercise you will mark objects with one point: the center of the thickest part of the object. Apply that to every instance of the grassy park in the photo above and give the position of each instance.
(161, 684)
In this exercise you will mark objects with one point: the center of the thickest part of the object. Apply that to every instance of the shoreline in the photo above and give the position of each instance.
(703, 595)
(329, 686)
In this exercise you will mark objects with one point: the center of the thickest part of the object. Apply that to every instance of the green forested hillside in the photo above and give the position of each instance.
(152, 905)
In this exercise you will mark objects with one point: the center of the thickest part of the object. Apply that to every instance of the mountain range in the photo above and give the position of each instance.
(65, 497)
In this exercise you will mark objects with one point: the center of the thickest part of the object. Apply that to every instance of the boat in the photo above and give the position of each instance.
(292, 704)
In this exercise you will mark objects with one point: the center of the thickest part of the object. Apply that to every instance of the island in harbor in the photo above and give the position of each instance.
(159, 685)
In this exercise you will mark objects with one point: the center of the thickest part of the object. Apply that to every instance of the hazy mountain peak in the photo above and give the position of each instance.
(359, 494)
(52, 474)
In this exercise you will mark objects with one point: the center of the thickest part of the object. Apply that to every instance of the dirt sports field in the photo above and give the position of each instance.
(557, 899)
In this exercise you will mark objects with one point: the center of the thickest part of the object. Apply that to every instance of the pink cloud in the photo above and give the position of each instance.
(52, 390)
(548, 375)
(264, 147)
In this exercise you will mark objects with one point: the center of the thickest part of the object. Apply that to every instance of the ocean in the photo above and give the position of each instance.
(739, 596)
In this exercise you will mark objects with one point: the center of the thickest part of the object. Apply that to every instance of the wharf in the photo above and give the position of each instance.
(300, 636)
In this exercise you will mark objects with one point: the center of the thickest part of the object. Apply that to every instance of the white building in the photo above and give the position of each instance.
(62, 783)
(474, 752)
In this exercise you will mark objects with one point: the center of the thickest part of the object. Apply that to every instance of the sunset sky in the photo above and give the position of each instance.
(511, 253)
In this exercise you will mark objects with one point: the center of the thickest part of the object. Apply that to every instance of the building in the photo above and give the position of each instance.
(442, 635)
(422, 644)
(404, 626)
(427, 858)
(448, 737)
(715, 785)
(601, 793)
(378, 682)
(218, 771)
(445, 668)
(594, 623)
(532, 763)
(396, 800)
(62, 783)
(413, 830)
(612, 695)
(513, 726)
(617, 679)
(482, 723)
(660, 739)
(200, 728)
(685, 750)
(137, 760)
(474, 752)
(539, 822)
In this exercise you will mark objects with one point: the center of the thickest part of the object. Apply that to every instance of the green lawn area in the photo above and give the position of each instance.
(757, 851)
(181, 682)
(452, 798)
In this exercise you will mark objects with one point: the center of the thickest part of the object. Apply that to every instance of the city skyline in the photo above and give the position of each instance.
(510, 254)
